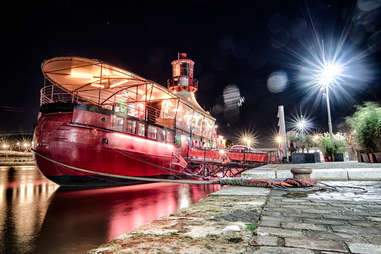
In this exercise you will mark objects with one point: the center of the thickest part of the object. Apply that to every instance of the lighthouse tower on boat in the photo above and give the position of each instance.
(182, 82)
(182, 75)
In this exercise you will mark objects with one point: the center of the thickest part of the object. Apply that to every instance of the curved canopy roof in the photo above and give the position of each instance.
(97, 82)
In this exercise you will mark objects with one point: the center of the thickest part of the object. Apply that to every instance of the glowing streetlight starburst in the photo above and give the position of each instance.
(301, 124)
(326, 59)
(330, 74)
(247, 138)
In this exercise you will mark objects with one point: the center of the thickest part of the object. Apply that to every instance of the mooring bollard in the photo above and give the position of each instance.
(302, 174)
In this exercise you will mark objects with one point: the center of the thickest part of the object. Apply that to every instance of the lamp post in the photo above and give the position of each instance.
(329, 112)
(327, 77)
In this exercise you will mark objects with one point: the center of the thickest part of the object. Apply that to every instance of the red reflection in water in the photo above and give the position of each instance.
(132, 206)
(37, 218)
(86, 219)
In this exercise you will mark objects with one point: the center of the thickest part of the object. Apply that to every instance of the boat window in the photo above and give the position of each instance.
(131, 126)
(141, 129)
(197, 123)
(207, 128)
(160, 134)
(152, 132)
(137, 110)
(184, 117)
(184, 69)
(117, 123)
(170, 136)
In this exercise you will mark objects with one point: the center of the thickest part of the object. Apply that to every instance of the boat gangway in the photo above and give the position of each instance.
(224, 163)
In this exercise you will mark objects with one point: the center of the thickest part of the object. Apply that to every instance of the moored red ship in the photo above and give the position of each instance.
(100, 125)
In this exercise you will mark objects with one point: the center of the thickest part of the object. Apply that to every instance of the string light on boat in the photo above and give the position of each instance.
(118, 83)
(98, 85)
(74, 74)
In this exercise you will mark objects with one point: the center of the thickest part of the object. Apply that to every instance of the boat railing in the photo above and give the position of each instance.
(52, 94)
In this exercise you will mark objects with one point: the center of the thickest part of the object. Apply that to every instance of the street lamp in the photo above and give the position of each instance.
(327, 77)
(247, 140)
(278, 139)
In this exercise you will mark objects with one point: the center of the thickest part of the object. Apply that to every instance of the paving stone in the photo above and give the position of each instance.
(356, 230)
(325, 221)
(281, 250)
(330, 235)
(264, 240)
(361, 223)
(304, 215)
(278, 232)
(364, 248)
(377, 219)
(273, 214)
(364, 174)
(318, 211)
(313, 244)
(290, 219)
(373, 239)
(241, 191)
(294, 225)
(270, 223)
(329, 252)
(343, 217)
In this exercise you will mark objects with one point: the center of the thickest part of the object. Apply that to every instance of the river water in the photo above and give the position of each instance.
(36, 216)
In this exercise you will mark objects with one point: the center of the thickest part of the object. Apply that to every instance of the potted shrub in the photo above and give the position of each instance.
(301, 143)
(333, 147)
(366, 130)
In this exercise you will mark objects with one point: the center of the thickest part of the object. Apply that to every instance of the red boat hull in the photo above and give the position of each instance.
(106, 152)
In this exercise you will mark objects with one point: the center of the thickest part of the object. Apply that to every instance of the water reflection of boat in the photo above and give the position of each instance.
(98, 122)
(81, 220)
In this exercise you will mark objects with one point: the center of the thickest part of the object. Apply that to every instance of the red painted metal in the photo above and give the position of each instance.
(83, 146)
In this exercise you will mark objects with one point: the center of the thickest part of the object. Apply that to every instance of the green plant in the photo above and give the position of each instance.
(300, 140)
(330, 145)
(365, 124)
(250, 227)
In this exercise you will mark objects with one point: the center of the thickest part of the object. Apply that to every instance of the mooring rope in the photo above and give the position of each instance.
(288, 184)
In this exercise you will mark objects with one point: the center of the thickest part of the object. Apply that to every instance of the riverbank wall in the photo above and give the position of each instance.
(14, 158)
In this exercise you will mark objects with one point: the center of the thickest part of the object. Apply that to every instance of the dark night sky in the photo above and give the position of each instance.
(230, 42)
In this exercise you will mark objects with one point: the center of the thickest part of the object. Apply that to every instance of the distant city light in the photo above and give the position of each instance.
(247, 138)
(316, 138)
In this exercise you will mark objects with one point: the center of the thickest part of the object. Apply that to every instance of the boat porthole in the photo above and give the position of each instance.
(104, 141)
(103, 120)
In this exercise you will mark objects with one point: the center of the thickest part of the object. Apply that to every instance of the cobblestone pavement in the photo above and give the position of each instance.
(257, 220)
(322, 165)
(322, 222)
